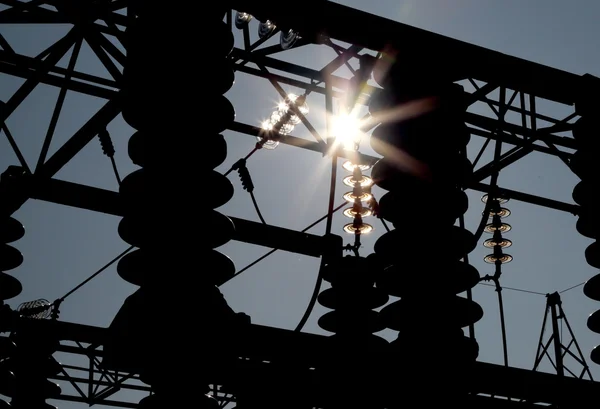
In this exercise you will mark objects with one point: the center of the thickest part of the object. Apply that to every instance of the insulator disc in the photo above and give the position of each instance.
(266, 28)
(150, 149)
(222, 78)
(138, 107)
(401, 248)
(10, 287)
(50, 390)
(365, 298)
(10, 257)
(585, 133)
(453, 277)
(502, 213)
(424, 201)
(503, 259)
(500, 200)
(390, 175)
(595, 355)
(11, 230)
(456, 312)
(591, 289)
(221, 113)
(363, 228)
(382, 100)
(593, 322)
(289, 39)
(140, 189)
(142, 231)
(592, 255)
(366, 321)
(52, 367)
(7, 347)
(216, 78)
(422, 137)
(502, 228)
(242, 19)
(7, 381)
(155, 401)
(221, 41)
(583, 163)
(139, 267)
(588, 224)
(583, 193)
(491, 243)
(351, 271)
(352, 213)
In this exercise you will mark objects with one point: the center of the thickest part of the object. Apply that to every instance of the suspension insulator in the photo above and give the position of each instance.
(424, 170)
(585, 165)
(106, 143)
(352, 298)
(10, 258)
(31, 364)
(177, 146)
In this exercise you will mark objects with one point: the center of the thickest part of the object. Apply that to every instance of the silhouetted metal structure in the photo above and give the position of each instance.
(241, 358)
(559, 350)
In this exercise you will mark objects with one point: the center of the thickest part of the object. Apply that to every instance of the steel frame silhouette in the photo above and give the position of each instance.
(519, 86)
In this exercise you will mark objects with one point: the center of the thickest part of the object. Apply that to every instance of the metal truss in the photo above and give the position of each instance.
(265, 348)
(555, 339)
(519, 98)
(515, 117)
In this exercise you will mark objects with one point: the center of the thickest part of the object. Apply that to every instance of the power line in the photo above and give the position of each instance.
(90, 278)
(515, 289)
(275, 249)
(570, 288)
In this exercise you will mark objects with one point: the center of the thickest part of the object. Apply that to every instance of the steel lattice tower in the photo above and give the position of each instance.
(174, 151)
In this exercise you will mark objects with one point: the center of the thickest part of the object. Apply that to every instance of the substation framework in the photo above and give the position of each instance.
(520, 86)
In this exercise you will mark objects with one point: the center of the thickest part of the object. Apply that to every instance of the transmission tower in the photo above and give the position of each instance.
(554, 343)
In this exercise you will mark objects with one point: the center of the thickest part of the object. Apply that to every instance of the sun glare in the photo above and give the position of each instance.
(346, 128)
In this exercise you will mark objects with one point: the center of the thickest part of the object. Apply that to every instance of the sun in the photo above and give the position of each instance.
(347, 129)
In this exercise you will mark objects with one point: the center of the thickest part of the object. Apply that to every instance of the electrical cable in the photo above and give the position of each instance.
(385, 226)
(96, 274)
(252, 264)
(116, 170)
(256, 148)
(570, 288)
(514, 289)
(313, 298)
(260, 216)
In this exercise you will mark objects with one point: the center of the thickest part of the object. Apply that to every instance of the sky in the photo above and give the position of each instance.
(64, 245)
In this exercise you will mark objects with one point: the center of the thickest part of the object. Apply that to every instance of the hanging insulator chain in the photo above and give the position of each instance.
(107, 144)
(245, 177)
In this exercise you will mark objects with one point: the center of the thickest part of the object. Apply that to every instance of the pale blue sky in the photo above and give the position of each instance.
(64, 245)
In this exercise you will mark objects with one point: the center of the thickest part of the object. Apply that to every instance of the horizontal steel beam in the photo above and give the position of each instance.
(321, 17)
(264, 346)
(105, 201)
(27, 67)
